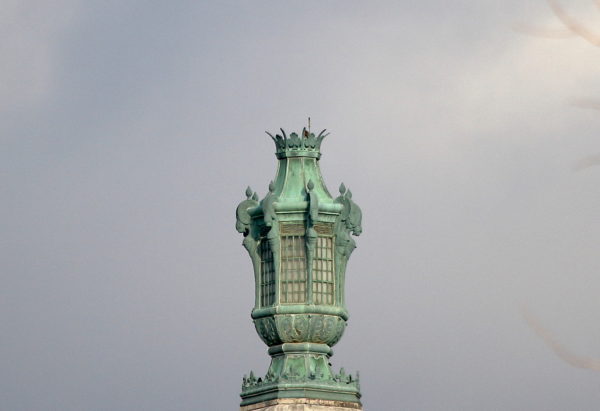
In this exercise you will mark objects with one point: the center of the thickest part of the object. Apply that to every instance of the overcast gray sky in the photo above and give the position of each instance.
(130, 130)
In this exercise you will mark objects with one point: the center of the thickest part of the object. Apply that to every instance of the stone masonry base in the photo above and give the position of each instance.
(302, 404)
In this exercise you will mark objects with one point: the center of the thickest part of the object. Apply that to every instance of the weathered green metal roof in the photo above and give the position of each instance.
(298, 167)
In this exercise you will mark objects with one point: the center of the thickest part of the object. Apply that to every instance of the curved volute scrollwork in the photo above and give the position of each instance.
(311, 233)
(270, 219)
(348, 223)
(243, 225)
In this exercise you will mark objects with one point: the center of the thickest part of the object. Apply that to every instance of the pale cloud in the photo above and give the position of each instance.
(30, 41)
(531, 76)
(587, 162)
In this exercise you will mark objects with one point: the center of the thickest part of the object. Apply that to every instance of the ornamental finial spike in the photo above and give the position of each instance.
(342, 189)
(248, 192)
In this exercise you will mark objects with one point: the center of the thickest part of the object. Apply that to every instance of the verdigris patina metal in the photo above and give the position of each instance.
(299, 239)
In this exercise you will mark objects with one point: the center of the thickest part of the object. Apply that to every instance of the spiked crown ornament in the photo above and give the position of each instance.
(306, 146)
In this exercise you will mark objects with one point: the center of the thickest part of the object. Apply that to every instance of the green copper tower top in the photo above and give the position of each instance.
(299, 239)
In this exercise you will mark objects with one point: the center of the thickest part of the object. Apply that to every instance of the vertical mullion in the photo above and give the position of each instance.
(285, 273)
(271, 283)
(298, 277)
(292, 268)
(302, 270)
(319, 273)
(293, 273)
(303, 277)
(262, 276)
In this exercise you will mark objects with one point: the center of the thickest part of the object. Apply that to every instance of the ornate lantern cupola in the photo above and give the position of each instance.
(299, 239)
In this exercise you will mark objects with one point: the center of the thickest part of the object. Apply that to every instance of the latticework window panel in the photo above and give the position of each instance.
(323, 284)
(293, 269)
(267, 274)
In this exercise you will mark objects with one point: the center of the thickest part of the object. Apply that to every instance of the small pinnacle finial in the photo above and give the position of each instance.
(349, 194)
(255, 196)
(309, 125)
(342, 189)
(248, 192)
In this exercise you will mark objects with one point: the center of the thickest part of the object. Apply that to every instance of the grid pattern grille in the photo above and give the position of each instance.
(323, 286)
(267, 275)
(324, 228)
(293, 269)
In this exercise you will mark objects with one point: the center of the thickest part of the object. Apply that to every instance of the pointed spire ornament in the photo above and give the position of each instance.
(299, 239)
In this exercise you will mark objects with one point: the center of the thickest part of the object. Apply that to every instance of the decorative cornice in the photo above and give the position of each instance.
(340, 382)
(304, 404)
